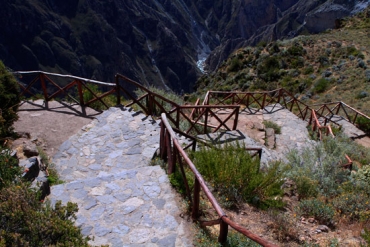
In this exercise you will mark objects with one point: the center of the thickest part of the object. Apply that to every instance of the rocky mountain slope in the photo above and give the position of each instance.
(161, 42)
(327, 67)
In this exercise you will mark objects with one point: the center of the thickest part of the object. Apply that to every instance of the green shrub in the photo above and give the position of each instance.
(235, 174)
(364, 124)
(27, 222)
(272, 125)
(235, 65)
(10, 99)
(308, 70)
(322, 212)
(321, 85)
(9, 168)
(306, 187)
(353, 205)
(321, 163)
(295, 50)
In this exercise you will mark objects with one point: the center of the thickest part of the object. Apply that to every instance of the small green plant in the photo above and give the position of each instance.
(53, 176)
(204, 238)
(283, 226)
(322, 212)
(272, 125)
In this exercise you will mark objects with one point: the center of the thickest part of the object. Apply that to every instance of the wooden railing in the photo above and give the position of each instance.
(317, 127)
(255, 101)
(341, 109)
(151, 103)
(172, 152)
(52, 89)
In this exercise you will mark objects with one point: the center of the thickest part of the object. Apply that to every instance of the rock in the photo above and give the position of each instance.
(352, 242)
(311, 220)
(44, 188)
(367, 75)
(327, 73)
(270, 138)
(31, 169)
(323, 228)
(30, 149)
(259, 126)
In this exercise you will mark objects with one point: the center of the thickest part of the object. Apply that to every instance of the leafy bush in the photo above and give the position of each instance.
(272, 125)
(353, 205)
(9, 168)
(27, 222)
(306, 187)
(321, 163)
(317, 209)
(295, 50)
(236, 175)
(364, 124)
(235, 65)
(321, 85)
(9, 98)
(283, 226)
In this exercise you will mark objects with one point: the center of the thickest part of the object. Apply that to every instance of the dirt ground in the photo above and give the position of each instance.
(51, 123)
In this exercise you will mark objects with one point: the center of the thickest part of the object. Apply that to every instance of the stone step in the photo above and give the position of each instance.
(122, 199)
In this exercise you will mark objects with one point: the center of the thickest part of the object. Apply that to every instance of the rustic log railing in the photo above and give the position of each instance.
(51, 89)
(151, 103)
(317, 127)
(172, 151)
(340, 109)
(255, 101)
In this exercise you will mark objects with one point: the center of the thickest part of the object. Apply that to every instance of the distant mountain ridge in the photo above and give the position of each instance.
(162, 43)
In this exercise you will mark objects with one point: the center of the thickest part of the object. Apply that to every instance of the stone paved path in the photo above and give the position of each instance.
(122, 199)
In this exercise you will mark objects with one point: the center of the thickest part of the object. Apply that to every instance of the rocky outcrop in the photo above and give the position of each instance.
(297, 17)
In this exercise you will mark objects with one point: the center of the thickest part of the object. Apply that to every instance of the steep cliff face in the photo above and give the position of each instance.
(154, 42)
(159, 42)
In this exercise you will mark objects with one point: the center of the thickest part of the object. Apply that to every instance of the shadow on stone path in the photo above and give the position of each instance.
(122, 199)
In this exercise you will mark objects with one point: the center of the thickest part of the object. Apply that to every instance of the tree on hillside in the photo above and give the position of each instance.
(9, 101)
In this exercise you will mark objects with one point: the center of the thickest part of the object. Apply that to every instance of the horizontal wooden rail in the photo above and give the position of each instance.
(169, 148)
(259, 101)
(65, 76)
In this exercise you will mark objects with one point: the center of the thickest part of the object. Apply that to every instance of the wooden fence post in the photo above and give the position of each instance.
(118, 91)
(80, 93)
(224, 229)
(43, 85)
(169, 154)
(196, 199)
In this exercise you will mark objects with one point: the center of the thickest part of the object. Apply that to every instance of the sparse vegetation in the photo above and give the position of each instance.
(238, 177)
(9, 98)
(272, 125)
(331, 64)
